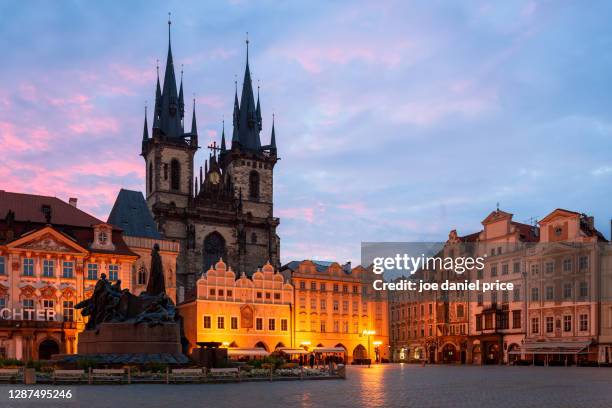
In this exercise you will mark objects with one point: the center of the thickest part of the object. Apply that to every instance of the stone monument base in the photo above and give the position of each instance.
(127, 338)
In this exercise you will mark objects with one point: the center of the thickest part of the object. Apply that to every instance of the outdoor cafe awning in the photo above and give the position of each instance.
(288, 350)
(553, 347)
(328, 350)
(247, 352)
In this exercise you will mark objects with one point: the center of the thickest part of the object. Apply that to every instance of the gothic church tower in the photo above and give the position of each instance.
(225, 211)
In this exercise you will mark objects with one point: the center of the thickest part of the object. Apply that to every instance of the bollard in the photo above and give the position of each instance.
(167, 375)
(89, 376)
(129, 375)
(29, 376)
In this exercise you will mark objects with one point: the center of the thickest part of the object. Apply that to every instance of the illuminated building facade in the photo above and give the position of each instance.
(336, 306)
(51, 255)
(557, 313)
(248, 312)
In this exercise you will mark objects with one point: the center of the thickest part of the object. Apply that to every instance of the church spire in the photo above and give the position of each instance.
(194, 126)
(236, 115)
(170, 116)
(158, 95)
(145, 130)
(248, 127)
(258, 109)
(223, 148)
(273, 137)
(181, 101)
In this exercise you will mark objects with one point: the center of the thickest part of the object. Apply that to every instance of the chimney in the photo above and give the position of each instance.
(72, 201)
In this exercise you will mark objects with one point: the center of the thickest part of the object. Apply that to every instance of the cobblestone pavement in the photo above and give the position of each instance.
(379, 387)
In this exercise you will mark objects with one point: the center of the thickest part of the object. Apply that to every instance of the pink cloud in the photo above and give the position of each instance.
(94, 125)
(314, 59)
(28, 139)
(304, 213)
(132, 74)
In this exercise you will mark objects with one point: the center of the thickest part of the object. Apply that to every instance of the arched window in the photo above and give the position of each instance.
(254, 185)
(150, 176)
(214, 249)
(175, 175)
(142, 275)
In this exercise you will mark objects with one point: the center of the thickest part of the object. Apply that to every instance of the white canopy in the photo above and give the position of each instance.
(328, 350)
(288, 350)
(247, 352)
(553, 347)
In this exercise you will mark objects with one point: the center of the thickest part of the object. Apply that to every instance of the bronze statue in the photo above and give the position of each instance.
(156, 285)
(110, 303)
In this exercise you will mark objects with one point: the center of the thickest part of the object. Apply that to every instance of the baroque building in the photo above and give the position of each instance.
(336, 307)
(226, 210)
(557, 313)
(51, 255)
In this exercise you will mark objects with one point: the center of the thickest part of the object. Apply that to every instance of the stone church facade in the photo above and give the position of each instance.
(225, 210)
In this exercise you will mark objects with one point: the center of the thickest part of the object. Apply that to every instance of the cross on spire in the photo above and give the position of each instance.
(213, 146)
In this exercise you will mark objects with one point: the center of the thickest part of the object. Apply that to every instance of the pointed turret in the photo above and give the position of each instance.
(145, 130)
(194, 126)
(158, 96)
(273, 138)
(223, 148)
(258, 110)
(236, 115)
(181, 101)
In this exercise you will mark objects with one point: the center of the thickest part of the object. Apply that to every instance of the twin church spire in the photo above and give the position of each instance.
(169, 112)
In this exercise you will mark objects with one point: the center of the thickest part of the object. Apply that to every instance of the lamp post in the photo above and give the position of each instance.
(377, 350)
(368, 333)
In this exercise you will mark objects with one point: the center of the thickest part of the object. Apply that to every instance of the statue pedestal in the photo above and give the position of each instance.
(127, 338)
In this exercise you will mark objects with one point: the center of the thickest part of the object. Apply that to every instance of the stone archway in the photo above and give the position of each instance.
(280, 344)
(47, 348)
(449, 353)
(261, 344)
(345, 355)
(360, 353)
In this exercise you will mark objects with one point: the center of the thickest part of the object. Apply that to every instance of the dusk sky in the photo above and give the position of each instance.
(395, 121)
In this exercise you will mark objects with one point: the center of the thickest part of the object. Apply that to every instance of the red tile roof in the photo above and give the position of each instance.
(28, 207)
(65, 218)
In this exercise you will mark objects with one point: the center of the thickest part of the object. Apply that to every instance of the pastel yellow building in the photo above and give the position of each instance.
(336, 306)
(246, 312)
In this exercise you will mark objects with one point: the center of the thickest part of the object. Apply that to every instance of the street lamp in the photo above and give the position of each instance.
(368, 333)
(376, 349)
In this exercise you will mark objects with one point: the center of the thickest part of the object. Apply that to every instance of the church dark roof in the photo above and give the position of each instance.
(131, 214)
